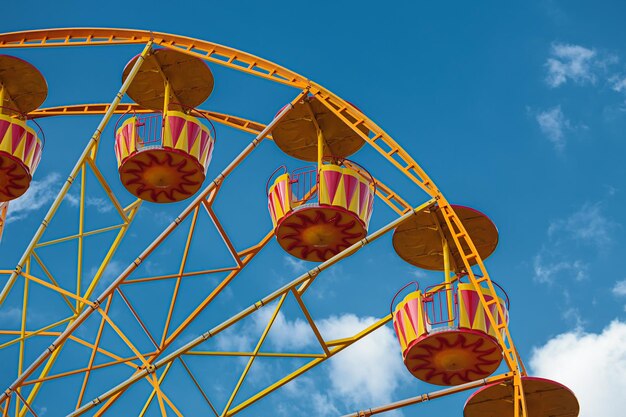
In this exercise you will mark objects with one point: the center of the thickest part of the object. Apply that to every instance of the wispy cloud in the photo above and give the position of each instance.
(553, 125)
(546, 271)
(571, 62)
(39, 194)
(101, 205)
(618, 83)
(294, 265)
(620, 288)
(599, 376)
(588, 225)
(10, 315)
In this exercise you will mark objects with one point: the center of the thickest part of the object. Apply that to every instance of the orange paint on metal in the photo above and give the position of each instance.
(544, 398)
(25, 87)
(418, 240)
(296, 134)
(191, 81)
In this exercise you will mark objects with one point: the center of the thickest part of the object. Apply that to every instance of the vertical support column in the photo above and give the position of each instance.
(53, 350)
(448, 281)
(95, 139)
(166, 98)
(2, 96)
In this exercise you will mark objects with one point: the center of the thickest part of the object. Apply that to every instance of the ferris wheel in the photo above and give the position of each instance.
(454, 334)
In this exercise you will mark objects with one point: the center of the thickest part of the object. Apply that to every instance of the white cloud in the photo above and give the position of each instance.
(368, 372)
(101, 205)
(592, 365)
(620, 288)
(571, 62)
(39, 194)
(547, 271)
(10, 315)
(112, 271)
(587, 225)
(294, 265)
(553, 125)
(618, 83)
(285, 334)
(363, 375)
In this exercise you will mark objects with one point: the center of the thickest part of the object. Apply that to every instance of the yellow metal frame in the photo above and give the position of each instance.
(80, 302)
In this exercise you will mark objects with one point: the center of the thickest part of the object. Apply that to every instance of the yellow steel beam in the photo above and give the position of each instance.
(431, 396)
(52, 280)
(388, 148)
(181, 270)
(234, 122)
(76, 236)
(259, 354)
(376, 137)
(384, 192)
(310, 320)
(49, 356)
(30, 334)
(307, 367)
(195, 381)
(116, 391)
(92, 357)
(66, 185)
(184, 275)
(153, 393)
(195, 203)
(246, 369)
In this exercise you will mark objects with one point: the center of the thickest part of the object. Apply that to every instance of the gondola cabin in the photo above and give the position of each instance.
(315, 214)
(445, 336)
(22, 90)
(163, 164)
(163, 157)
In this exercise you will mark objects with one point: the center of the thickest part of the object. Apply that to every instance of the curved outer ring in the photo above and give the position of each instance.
(250, 64)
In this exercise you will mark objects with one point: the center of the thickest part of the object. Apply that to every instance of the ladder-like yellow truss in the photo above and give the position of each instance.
(83, 302)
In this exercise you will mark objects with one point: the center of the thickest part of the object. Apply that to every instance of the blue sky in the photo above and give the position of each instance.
(517, 111)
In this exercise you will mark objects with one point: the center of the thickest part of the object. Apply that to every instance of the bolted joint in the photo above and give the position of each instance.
(206, 335)
(137, 261)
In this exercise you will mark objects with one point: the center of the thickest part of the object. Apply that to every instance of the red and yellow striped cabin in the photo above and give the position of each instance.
(20, 153)
(449, 350)
(166, 164)
(334, 216)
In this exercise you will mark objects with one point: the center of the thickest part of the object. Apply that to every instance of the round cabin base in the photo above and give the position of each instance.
(14, 177)
(453, 357)
(161, 175)
(318, 233)
(544, 398)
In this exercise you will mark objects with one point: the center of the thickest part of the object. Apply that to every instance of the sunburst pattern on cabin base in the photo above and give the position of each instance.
(14, 178)
(162, 176)
(453, 357)
(318, 233)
